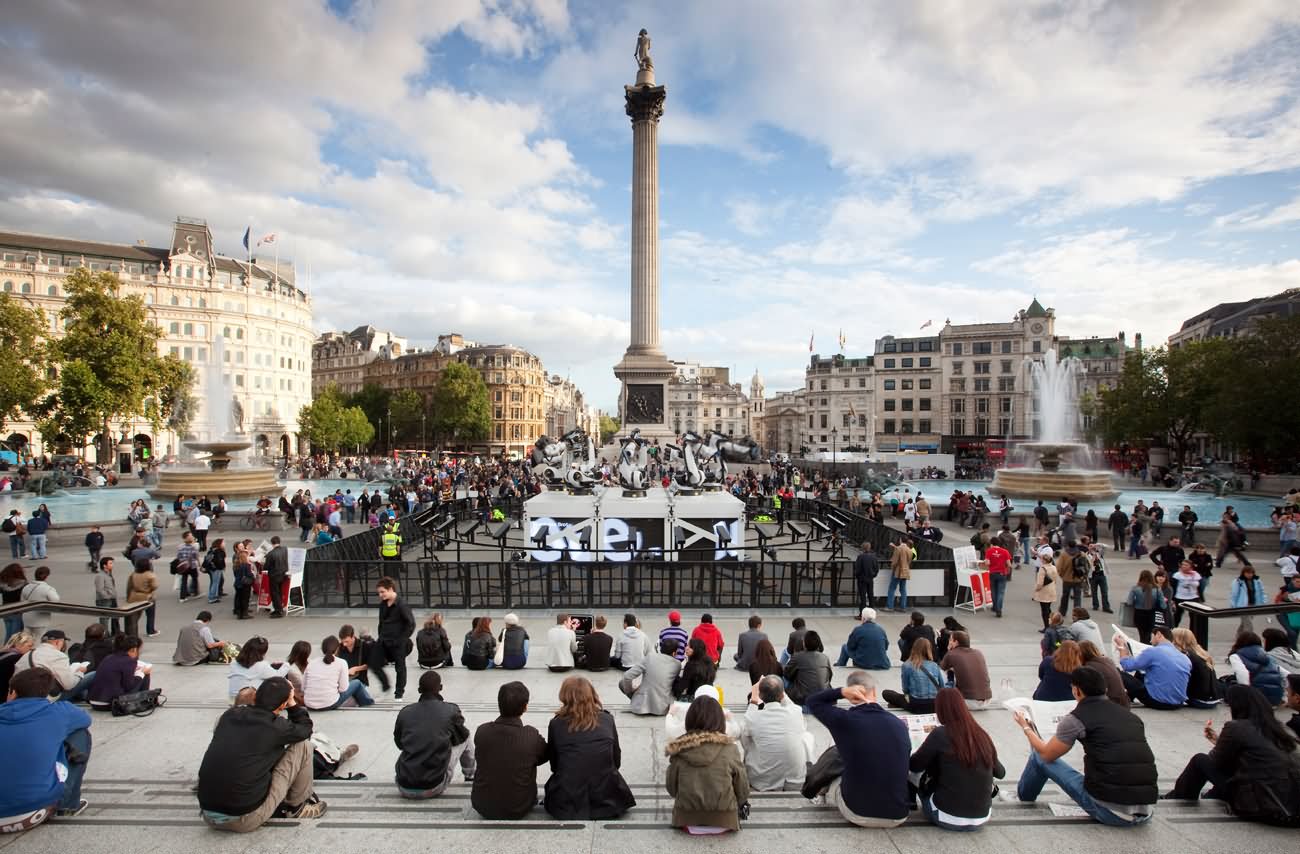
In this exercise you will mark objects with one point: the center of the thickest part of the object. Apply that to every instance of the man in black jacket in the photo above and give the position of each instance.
(396, 625)
(1118, 525)
(259, 764)
(865, 570)
(508, 753)
(432, 736)
(276, 565)
(1118, 783)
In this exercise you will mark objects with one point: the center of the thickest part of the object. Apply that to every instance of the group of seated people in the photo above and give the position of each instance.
(96, 671)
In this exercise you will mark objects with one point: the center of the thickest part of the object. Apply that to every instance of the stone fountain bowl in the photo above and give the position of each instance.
(218, 478)
(218, 449)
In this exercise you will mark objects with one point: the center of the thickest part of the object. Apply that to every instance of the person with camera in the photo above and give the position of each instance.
(706, 777)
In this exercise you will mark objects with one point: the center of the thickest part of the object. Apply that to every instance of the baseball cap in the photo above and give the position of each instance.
(674, 616)
(54, 634)
(707, 691)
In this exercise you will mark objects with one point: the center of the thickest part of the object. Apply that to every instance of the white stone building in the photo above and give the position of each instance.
(703, 398)
(340, 358)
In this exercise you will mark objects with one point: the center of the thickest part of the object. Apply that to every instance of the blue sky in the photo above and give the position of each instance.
(465, 166)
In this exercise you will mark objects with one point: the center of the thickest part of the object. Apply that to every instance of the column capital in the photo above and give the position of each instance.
(645, 103)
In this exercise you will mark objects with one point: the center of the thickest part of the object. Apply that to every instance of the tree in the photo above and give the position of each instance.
(1250, 404)
(406, 408)
(608, 427)
(461, 409)
(22, 377)
(173, 407)
(329, 425)
(108, 357)
(373, 400)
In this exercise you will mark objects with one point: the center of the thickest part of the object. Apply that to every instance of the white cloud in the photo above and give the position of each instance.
(1260, 218)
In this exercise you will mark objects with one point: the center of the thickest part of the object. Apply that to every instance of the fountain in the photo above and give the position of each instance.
(222, 422)
(1056, 389)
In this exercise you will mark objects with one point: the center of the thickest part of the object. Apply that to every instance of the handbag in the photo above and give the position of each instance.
(1127, 617)
(499, 658)
(139, 704)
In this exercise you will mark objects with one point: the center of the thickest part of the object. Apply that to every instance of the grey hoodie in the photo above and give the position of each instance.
(632, 647)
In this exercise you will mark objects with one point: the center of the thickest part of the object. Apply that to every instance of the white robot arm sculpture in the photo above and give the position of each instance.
(632, 460)
(550, 459)
(577, 474)
(692, 477)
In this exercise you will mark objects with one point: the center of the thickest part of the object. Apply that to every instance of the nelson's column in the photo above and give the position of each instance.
(644, 370)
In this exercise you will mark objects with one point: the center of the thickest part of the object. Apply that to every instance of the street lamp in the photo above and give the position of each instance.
(835, 432)
(423, 446)
(390, 429)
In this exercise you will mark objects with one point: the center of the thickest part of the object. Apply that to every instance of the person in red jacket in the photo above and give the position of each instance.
(711, 635)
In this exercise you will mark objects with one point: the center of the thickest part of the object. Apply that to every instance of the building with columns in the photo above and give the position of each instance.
(908, 380)
(340, 358)
(839, 395)
(703, 398)
(564, 408)
(194, 294)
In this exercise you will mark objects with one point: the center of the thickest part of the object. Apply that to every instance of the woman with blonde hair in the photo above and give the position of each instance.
(582, 745)
(1202, 684)
(1045, 589)
(922, 681)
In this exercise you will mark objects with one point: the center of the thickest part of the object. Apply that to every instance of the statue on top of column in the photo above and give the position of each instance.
(643, 60)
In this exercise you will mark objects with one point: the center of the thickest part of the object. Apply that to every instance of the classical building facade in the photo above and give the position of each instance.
(908, 383)
(838, 403)
(340, 358)
(782, 427)
(987, 390)
(1230, 319)
(565, 408)
(703, 398)
(195, 295)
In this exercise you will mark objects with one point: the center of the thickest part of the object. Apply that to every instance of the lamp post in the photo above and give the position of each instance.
(835, 432)
(390, 429)
(423, 446)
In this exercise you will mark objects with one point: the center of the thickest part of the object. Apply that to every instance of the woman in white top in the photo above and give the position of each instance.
(249, 670)
(325, 683)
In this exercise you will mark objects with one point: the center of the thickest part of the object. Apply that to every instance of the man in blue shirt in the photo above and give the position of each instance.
(46, 747)
(36, 528)
(874, 748)
(1164, 670)
(868, 646)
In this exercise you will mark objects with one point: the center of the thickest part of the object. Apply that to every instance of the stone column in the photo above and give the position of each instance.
(645, 105)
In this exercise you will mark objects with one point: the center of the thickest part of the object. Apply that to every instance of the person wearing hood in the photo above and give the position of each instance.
(39, 590)
(632, 646)
(711, 635)
(706, 776)
(1252, 666)
(47, 746)
(1084, 628)
(514, 644)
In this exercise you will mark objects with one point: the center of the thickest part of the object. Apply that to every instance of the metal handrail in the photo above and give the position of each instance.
(130, 614)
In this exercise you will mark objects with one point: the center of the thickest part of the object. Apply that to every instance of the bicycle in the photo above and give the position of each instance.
(253, 520)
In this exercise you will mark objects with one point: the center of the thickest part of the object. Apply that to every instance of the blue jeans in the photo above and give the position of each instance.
(78, 692)
(1024, 544)
(1101, 590)
(356, 691)
(784, 657)
(1037, 773)
(899, 584)
(351, 513)
(110, 624)
(155, 534)
(932, 816)
(844, 656)
(216, 584)
(998, 583)
(17, 546)
(36, 545)
(79, 740)
(13, 625)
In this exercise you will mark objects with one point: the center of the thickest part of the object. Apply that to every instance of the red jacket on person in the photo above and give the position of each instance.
(712, 637)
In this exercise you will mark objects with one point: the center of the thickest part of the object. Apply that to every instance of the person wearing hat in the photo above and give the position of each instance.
(514, 644)
(432, 737)
(52, 654)
(676, 634)
(711, 635)
(867, 646)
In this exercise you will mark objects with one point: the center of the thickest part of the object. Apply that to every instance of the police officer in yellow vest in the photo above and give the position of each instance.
(776, 505)
(390, 544)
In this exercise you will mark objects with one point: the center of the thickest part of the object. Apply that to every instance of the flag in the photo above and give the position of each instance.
(927, 323)
(841, 340)
(247, 232)
(852, 414)
(810, 342)
(267, 238)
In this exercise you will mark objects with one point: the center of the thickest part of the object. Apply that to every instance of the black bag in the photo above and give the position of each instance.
(175, 566)
(1253, 800)
(139, 704)
(828, 768)
(8, 525)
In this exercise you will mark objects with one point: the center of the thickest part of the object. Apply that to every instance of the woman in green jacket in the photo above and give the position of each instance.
(706, 776)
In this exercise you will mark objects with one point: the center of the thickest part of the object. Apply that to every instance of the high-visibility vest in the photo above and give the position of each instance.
(390, 544)
(776, 502)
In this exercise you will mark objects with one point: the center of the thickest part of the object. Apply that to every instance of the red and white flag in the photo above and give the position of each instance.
(267, 238)
(810, 342)
(927, 323)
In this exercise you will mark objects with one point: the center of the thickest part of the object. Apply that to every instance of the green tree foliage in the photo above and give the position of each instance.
(608, 427)
(461, 409)
(330, 425)
(22, 372)
(373, 400)
(173, 408)
(407, 409)
(108, 359)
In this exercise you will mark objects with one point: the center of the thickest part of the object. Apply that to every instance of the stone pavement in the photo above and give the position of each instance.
(141, 771)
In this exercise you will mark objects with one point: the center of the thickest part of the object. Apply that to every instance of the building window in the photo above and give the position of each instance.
(1004, 426)
(925, 404)
(53, 290)
(923, 426)
(188, 329)
(907, 363)
(844, 420)
(889, 426)
(925, 346)
(1006, 366)
(983, 367)
(957, 367)
(906, 347)
(890, 385)
(907, 404)
(174, 328)
(1038, 346)
(907, 426)
(890, 347)
(823, 385)
(959, 405)
(923, 384)
(188, 354)
(889, 405)
(925, 361)
(824, 421)
(981, 405)
(889, 363)
(981, 385)
(956, 348)
(1004, 404)
(981, 426)
(958, 427)
(1006, 346)
(1006, 384)
(906, 385)
(982, 348)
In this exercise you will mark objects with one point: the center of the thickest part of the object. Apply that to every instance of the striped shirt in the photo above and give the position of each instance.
(678, 634)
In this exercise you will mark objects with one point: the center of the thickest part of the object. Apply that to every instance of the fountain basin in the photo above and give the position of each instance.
(1053, 484)
(219, 478)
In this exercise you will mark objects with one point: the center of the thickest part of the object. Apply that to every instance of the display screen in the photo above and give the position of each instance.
(709, 539)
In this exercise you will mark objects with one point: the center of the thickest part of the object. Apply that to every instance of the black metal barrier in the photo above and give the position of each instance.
(495, 585)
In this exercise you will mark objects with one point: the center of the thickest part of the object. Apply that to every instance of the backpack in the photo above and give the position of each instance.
(208, 563)
(8, 525)
(326, 756)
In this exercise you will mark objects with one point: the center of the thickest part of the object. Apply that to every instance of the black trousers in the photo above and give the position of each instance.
(1199, 771)
(383, 653)
(242, 595)
(866, 593)
(913, 705)
(1137, 690)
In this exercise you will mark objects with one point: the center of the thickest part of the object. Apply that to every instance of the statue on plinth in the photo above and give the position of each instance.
(643, 60)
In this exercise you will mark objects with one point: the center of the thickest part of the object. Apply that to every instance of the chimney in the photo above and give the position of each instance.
(1137, 340)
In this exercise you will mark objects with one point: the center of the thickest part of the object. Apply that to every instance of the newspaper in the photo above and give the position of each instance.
(1134, 647)
(919, 727)
(1043, 716)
